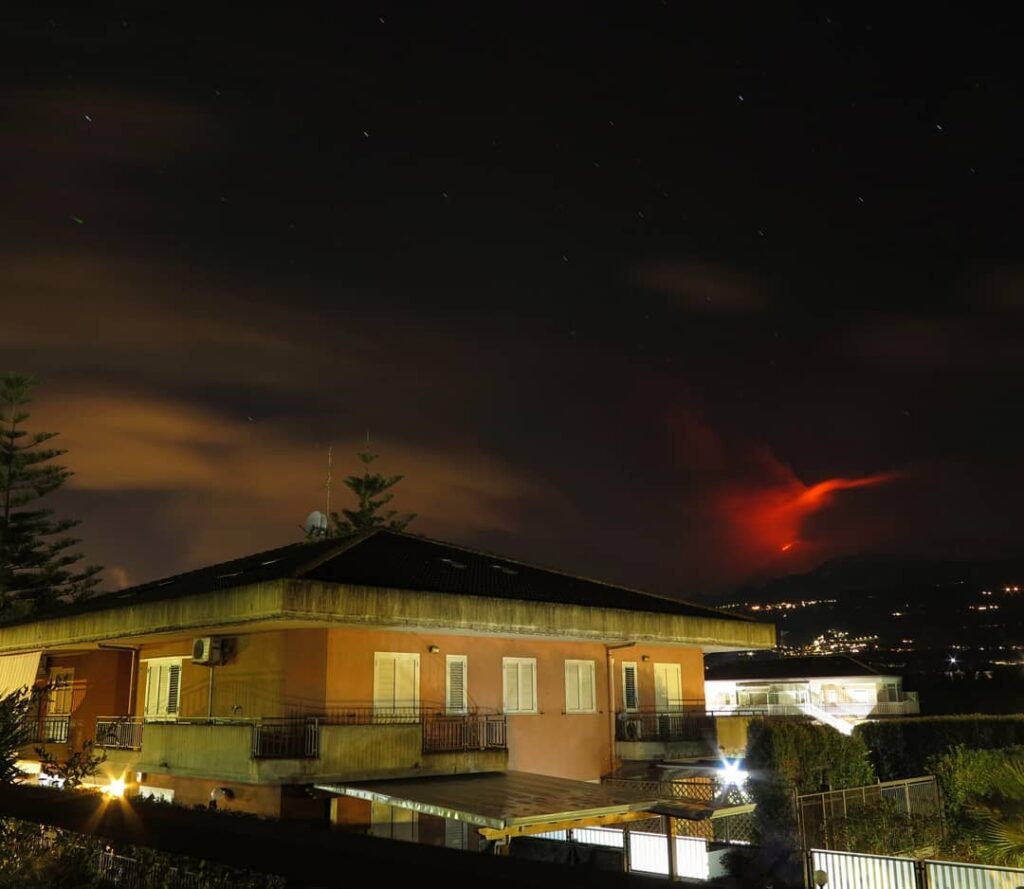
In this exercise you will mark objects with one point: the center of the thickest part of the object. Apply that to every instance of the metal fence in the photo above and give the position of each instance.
(119, 732)
(854, 870)
(648, 850)
(286, 738)
(687, 722)
(819, 814)
(49, 729)
(451, 732)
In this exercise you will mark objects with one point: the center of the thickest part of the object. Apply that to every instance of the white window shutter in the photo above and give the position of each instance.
(173, 687)
(527, 681)
(572, 687)
(511, 687)
(456, 682)
(383, 682)
(629, 690)
(146, 708)
(586, 671)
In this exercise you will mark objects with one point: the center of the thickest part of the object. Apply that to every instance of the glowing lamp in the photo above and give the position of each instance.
(115, 789)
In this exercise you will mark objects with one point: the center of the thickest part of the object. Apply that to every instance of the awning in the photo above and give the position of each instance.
(513, 803)
(18, 671)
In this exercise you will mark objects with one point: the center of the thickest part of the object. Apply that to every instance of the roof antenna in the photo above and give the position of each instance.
(330, 455)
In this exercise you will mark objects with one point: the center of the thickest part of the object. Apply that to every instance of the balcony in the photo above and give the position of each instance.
(805, 703)
(48, 729)
(676, 731)
(342, 744)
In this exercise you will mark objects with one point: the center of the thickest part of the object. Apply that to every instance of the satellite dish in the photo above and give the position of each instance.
(315, 524)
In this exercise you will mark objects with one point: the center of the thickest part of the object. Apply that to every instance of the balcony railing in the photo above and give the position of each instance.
(49, 729)
(685, 722)
(454, 732)
(805, 703)
(286, 738)
(298, 737)
(119, 732)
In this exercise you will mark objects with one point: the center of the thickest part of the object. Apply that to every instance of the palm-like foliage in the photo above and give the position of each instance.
(998, 817)
(15, 732)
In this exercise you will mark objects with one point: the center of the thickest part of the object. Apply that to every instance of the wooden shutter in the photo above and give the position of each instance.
(383, 682)
(406, 682)
(455, 680)
(630, 698)
(667, 686)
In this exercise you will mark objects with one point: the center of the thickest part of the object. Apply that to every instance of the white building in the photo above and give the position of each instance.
(834, 689)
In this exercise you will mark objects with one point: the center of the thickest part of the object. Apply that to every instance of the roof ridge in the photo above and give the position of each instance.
(617, 586)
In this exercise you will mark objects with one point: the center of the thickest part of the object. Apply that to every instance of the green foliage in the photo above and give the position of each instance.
(372, 492)
(885, 828)
(37, 566)
(71, 772)
(983, 794)
(37, 857)
(15, 731)
(902, 748)
(785, 757)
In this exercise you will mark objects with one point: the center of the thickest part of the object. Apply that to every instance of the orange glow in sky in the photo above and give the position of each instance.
(770, 519)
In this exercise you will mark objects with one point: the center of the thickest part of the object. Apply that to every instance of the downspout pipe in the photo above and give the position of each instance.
(608, 649)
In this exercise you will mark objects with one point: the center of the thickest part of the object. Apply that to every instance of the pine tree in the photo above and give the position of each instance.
(36, 562)
(372, 494)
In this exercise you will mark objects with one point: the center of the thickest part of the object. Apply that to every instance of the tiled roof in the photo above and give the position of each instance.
(395, 560)
(808, 667)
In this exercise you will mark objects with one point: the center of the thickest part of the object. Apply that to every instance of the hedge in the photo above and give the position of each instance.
(902, 748)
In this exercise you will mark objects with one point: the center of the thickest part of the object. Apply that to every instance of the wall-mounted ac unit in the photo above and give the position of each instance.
(206, 650)
(633, 728)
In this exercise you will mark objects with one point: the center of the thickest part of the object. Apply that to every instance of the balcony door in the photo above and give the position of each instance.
(396, 686)
(62, 684)
(668, 687)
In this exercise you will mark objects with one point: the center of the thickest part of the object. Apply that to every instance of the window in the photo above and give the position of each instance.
(630, 694)
(520, 684)
(455, 683)
(163, 688)
(396, 686)
(668, 687)
(579, 687)
(393, 823)
(62, 684)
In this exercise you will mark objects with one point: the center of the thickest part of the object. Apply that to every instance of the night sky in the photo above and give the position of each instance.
(662, 299)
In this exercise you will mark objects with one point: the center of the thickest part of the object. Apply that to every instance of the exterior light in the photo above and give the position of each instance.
(433, 649)
(732, 774)
(645, 658)
(115, 789)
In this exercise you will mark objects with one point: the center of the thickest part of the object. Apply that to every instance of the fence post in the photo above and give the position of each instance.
(670, 835)
(906, 795)
(920, 875)
(625, 847)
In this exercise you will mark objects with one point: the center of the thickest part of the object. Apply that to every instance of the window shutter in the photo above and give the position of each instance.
(586, 671)
(526, 686)
(572, 686)
(511, 687)
(149, 684)
(629, 691)
(456, 684)
(173, 687)
(384, 682)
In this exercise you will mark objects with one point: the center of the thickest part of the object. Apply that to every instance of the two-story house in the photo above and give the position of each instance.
(281, 683)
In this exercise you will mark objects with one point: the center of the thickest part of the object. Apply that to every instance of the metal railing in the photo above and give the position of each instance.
(49, 729)
(119, 732)
(803, 702)
(454, 732)
(286, 738)
(683, 723)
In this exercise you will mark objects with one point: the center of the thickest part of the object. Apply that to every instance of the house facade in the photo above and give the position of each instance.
(834, 689)
(276, 683)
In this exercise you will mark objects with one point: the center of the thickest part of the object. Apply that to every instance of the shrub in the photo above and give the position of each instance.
(902, 748)
(885, 829)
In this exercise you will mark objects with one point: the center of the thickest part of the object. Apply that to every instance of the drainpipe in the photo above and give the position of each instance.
(131, 676)
(209, 703)
(608, 649)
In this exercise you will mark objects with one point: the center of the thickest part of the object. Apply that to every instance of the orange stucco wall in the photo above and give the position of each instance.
(550, 742)
(255, 799)
(100, 688)
(290, 671)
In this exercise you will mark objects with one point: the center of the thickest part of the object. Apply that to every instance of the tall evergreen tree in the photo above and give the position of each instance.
(37, 565)
(372, 492)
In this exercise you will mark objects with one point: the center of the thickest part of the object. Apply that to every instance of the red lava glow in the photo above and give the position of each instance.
(769, 519)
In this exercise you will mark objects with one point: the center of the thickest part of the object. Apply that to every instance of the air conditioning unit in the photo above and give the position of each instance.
(206, 650)
(633, 728)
